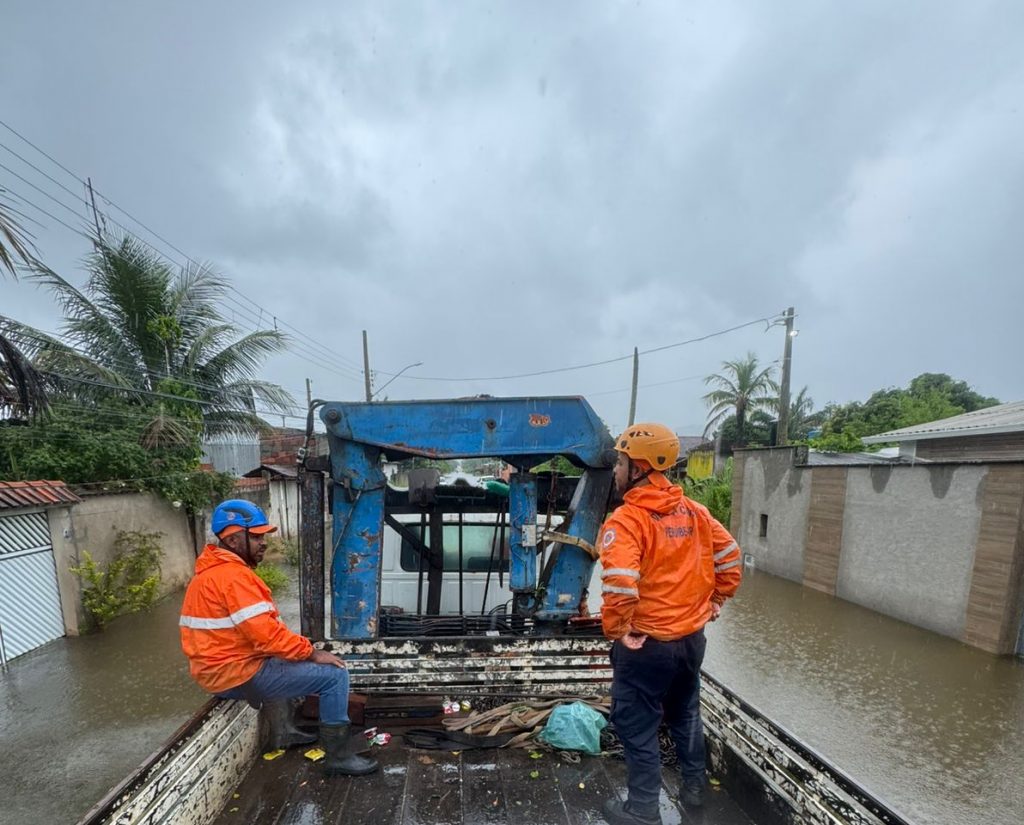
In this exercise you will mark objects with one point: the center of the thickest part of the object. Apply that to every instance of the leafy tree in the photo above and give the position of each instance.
(802, 418)
(758, 433)
(742, 388)
(929, 397)
(21, 386)
(112, 446)
(144, 327)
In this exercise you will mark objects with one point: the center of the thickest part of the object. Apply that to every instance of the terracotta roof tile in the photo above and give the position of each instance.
(18, 494)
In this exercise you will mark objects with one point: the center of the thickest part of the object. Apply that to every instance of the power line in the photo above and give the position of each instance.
(309, 348)
(28, 333)
(647, 386)
(301, 350)
(766, 320)
(313, 342)
(48, 214)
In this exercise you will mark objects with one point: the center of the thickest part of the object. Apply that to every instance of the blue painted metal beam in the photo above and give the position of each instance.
(522, 508)
(358, 508)
(516, 429)
(572, 569)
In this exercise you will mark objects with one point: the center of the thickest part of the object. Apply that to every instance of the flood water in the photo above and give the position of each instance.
(930, 725)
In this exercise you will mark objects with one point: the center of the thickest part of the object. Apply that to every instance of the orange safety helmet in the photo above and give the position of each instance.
(654, 443)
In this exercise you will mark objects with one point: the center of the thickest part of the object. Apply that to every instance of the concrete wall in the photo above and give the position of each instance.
(908, 542)
(773, 487)
(93, 526)
(938, 545)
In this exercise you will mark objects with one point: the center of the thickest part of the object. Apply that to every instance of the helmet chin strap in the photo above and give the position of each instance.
(248, 549)
(634, 481)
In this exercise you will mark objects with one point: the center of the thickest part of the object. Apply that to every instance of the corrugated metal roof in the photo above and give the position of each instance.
(688, 443)
(1003, 418)
(19, 494)
(280, 470)
(817, 458)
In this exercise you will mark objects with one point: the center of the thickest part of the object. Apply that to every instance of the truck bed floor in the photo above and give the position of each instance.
(496, 787)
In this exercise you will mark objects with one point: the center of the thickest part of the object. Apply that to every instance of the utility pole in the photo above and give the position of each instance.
(309, 393)
(782, 434)
(95, 213)
(632, 397)
(366, 368)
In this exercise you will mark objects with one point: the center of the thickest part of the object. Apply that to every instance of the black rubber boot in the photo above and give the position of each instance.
(692, 793)
(283, 733)
(618, 812)
(342, 757)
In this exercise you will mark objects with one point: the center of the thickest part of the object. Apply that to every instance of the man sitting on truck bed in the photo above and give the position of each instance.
(668, 566)
(238, 647)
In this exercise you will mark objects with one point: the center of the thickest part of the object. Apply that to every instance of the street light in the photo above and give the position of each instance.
(393, 377)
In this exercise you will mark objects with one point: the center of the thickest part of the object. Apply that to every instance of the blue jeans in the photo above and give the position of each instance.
(280, 679)
(660, 681)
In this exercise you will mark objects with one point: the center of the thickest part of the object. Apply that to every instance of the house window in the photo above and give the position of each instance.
(764, 525)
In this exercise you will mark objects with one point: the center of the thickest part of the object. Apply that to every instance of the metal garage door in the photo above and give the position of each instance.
(30, 613)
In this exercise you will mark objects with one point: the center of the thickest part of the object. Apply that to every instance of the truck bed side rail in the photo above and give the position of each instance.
(774, 776)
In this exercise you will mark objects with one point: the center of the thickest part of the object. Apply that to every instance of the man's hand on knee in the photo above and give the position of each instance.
(322, 657)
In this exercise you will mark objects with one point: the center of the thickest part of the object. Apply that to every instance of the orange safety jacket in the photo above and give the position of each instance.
(230, 625)
(665, 560)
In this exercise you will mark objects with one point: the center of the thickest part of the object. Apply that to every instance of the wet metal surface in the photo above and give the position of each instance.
(417, 787)
(932, 726)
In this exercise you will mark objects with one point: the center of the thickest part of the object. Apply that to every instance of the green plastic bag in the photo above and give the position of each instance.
(575, 727)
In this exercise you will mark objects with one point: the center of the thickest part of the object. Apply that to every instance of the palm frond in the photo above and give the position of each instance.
(21, 384)
(15, 242)
(243, 358)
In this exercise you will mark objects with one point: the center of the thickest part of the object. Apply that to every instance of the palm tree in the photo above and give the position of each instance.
(801, 417)
(142, 326)
(21, 386)
(740, 389)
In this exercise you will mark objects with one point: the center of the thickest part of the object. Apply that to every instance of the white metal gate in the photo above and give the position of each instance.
(30, 612)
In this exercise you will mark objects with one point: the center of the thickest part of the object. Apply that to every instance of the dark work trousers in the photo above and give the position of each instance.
(659, 681)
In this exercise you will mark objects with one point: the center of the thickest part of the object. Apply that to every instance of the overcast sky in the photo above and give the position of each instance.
(503, 188)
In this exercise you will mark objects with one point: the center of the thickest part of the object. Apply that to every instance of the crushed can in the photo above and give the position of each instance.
(381, 739)
(465, 705)
(369, 733)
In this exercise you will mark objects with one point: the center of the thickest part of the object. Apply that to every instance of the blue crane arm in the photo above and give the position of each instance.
(508, 428)
(522, 431)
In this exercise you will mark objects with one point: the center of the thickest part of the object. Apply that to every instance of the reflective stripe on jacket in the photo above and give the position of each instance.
(229, 623)
(665, 559)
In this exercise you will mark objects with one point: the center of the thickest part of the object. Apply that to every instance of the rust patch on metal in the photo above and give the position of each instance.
(539, 420)
(369, 537)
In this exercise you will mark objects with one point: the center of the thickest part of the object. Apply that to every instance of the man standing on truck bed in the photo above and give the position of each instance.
(668, 567)
(238, 647)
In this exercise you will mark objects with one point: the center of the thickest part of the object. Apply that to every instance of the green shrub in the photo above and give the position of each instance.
(128, 584)
(714, 492)
(273, 577)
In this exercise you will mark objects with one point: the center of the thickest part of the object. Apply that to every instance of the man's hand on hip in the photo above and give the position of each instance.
(716, 611)
(322, 657)
(634, 640)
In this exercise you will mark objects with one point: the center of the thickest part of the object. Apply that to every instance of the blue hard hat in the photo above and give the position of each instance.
(239, 513)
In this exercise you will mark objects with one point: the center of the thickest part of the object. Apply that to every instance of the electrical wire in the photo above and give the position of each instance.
(313, 343)
(766, 320)
(109, 201)
(25, 333)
